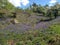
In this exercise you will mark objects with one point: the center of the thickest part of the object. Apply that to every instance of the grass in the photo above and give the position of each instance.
(56, 28)
(51, 36)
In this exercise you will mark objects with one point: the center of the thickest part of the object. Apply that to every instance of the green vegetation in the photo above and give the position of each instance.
(56, 28)
(50, 37)
(8, 10)
(31, 16)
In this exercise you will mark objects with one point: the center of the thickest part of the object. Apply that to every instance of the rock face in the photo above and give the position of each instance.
(14, 21)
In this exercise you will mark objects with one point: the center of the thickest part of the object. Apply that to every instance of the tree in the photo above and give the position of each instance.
(55, 13)
(2, 3)
(6, 8)
(49, 13)
(34, 7)
(40, 9)
(46, 8)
